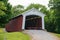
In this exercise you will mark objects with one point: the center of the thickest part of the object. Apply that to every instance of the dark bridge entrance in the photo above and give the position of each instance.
(33, 22)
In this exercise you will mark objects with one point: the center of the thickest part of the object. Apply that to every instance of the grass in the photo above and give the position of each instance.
(58, 35)
(13, 35)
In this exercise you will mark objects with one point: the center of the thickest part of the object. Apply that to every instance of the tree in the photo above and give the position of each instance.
(2, 7)
(5, 12)
(55, 5)
(37, 6)
(50, 21)
(17, 10)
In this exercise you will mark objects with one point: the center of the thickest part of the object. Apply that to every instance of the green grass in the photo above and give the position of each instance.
(58, 35)
(13, 36)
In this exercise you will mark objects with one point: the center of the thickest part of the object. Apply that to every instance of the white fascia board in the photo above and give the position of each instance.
(33, 11)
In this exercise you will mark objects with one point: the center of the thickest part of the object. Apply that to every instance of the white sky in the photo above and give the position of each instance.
(25, 3)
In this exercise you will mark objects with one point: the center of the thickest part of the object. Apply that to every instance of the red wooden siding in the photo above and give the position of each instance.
(39, 23)
(15, 24)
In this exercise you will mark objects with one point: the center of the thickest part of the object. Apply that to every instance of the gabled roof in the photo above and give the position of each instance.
(31, 12)
(15, 17)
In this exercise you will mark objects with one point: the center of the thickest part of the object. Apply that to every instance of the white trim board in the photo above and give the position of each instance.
(33, 11)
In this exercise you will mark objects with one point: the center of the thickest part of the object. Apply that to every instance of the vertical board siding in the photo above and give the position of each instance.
(15, 24)
(40, 23)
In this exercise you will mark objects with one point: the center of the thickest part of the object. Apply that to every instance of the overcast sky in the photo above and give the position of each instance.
(27, 2)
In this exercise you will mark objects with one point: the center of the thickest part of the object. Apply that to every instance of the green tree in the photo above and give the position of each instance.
(37, 6)
(5, 12)
(55, 5)
(17, 10)
(50, 21)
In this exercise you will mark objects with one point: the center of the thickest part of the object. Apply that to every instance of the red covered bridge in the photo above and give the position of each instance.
(29, 20)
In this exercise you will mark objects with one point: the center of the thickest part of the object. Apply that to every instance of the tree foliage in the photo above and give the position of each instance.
(37, 6)
(54, 15)
(17, 10)
(5, 12)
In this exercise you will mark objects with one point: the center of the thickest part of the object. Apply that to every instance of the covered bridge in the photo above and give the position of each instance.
(32, 19)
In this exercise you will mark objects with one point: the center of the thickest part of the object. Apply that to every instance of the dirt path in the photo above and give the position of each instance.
(40, 35)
